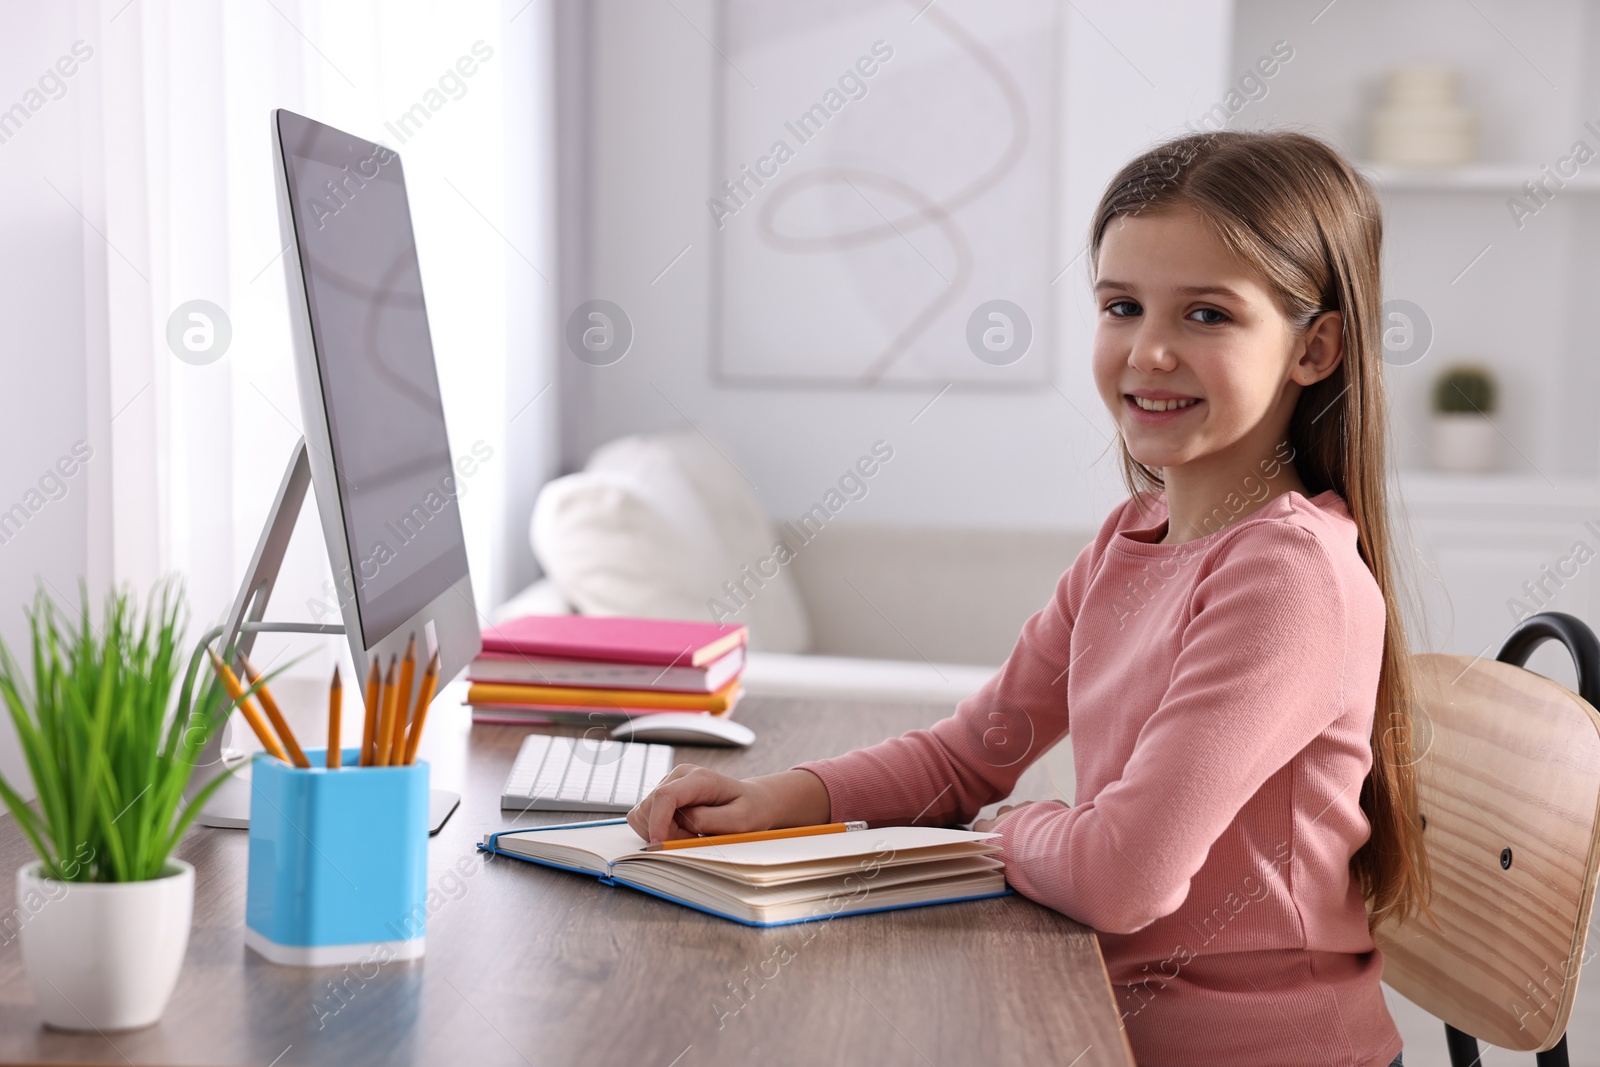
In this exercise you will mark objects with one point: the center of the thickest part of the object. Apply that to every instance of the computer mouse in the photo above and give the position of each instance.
(684, 728)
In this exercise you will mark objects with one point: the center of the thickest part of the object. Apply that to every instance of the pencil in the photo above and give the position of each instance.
(430, 679)
(391, 698)
(297, 755)
(756, 835)
(335, 706)
(247, 709)
(369, 730)
(408, 669)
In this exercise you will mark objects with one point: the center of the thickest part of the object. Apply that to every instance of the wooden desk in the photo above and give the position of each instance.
(527, 965)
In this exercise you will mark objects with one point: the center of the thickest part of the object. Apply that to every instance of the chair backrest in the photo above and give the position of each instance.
(1509, 784)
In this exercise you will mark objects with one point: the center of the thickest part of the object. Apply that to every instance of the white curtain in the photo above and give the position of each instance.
(179, 181)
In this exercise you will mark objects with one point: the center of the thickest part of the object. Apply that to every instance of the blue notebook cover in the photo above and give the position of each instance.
(492, 846)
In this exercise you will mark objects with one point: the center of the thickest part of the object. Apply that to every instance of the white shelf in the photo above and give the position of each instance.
(1477, 178)
(1500, 493)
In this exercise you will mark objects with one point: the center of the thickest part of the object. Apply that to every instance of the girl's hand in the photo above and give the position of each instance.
(984, 826)
(692, 800)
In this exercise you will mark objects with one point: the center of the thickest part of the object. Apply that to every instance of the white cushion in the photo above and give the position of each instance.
(620, 543)
(543, 597)
(655, 526)
(774, 607)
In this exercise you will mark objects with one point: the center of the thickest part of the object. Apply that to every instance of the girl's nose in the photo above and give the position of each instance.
(1151, 351)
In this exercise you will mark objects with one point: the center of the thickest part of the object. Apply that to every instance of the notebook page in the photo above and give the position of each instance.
(595, 846)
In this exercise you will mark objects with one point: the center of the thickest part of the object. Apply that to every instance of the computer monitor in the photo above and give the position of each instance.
(380, 460)
(375, 450)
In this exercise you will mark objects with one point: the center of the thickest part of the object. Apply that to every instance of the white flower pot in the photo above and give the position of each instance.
(104, 955)
(1464, 442)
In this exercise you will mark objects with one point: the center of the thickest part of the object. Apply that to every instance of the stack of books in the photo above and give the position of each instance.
(603, 669)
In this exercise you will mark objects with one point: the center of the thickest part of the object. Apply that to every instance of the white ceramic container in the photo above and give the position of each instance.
(104, 955)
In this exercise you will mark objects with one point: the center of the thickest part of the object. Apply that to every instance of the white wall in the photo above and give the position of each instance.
(1023, 459)
(43, 360)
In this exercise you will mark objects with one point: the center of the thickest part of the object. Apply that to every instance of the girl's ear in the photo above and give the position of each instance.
(1322, 349)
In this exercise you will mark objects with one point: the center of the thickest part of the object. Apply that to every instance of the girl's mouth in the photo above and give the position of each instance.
(1157, 411)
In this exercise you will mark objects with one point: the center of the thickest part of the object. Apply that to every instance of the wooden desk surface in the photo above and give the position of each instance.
(527, 965)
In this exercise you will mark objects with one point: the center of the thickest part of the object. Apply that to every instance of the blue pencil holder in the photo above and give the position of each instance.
(338, 861)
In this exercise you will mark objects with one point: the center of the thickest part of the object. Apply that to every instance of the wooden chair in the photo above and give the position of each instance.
(1509, 783)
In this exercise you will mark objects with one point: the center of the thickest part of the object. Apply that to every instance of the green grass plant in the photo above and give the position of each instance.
(109, 747)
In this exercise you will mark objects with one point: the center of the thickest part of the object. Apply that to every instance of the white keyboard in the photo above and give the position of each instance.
(582, 774)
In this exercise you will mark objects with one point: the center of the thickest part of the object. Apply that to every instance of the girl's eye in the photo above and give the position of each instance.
(1123, 309)
(1211, 316)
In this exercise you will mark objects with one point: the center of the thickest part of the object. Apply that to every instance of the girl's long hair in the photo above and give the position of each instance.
(1297, 210)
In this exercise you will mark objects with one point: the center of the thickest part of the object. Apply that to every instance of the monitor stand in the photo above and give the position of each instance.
(229, 806)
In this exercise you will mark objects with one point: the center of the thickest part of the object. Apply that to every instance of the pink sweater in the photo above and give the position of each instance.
(1220, 695)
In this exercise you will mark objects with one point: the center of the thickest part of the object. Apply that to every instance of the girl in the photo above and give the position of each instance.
(1227, 653)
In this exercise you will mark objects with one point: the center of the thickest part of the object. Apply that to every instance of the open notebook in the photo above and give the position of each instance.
(771, 883)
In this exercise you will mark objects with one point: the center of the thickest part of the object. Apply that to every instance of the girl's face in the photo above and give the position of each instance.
(1193, 354)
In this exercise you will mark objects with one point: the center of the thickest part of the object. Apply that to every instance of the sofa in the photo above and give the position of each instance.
(663, 525)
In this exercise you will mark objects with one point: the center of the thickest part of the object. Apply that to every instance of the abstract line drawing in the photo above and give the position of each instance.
(861, 216)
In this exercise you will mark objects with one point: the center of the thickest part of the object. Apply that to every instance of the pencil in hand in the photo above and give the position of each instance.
(335, 706)
(408, 669)
(369, 732)
(430, 679)
(231, 683)
(391, 695)
(297, 755)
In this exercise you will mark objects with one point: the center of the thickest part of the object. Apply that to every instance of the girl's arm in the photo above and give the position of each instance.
(1278, 649)
(944, 774)
(926, 776)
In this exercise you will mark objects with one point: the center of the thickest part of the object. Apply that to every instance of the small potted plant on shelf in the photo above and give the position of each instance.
(105, 907)
(1464, 440)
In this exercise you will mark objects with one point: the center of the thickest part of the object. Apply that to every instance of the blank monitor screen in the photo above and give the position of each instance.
(369, 327)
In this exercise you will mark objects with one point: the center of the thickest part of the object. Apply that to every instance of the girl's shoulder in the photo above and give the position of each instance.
(1290, 525)
(1291, 544)
(1313, 536)
(1304, 541)
(1142, 521)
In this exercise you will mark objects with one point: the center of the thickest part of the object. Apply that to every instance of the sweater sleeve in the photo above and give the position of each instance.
(1260, 673)
(946, 773)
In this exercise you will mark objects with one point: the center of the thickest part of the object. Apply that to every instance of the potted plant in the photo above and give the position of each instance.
(1464, 440)
(109, 753)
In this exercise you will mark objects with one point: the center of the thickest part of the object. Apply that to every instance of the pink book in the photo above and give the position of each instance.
(516, 669)
(615, 639)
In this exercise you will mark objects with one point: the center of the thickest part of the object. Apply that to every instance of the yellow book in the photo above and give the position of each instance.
(489, 693)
